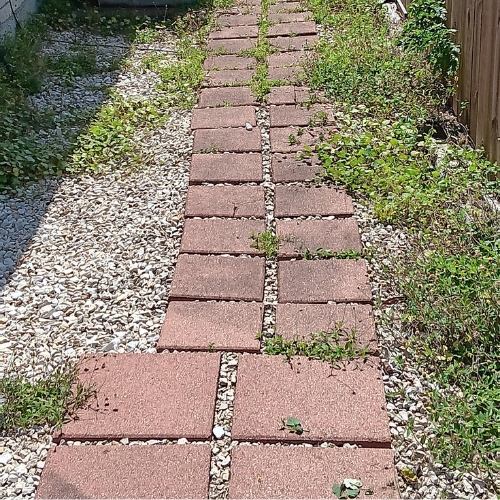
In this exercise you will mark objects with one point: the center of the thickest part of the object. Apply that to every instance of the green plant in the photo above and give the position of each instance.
(323, 253)
(266, 242)
(293, 425)
(349, 488)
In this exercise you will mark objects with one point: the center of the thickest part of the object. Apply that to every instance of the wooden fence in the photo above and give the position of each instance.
(478, 33)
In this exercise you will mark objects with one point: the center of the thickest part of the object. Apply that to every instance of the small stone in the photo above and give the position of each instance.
(248, 126)
(218, 432)
(182, 441)
(5, 458)
(112, 346)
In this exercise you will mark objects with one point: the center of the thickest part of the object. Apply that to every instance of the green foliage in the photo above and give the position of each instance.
(324, 253)
(82, 61)
(349, 488)
(426, 32)
(266, 242)
(293, 425)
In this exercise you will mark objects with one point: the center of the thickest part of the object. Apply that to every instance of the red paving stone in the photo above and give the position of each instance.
(233, 46)
(212, 236)
(226, 96)
(284, 7)
(290, 168)
(285, 116)
(289, 17)
(228, 167)
(223, 117)
(296, 472)
(286, 59)
(302, 320)
(234, 32)
(294, 201)
(301, 235)
(300, 42)
(236, 140)
(230, 326)
(225, 201)
(322, 281)
(237, 20)
(287, 94)
(293, 139)
(292, 29)
(288, 74)
(229, 77)
(218, 278)
(338, 405)
(126, 472)
(147, 396)
(228, 62)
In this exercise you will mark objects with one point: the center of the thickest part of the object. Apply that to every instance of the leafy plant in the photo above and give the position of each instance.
(293, 425)
(349, 488)
(324, 253)
(266, 242)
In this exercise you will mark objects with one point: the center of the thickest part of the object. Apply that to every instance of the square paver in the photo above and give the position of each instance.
(147, 396)
(237, 20)
(223, 117)
(226, 96)
(232, 46)
(292, 29)
(302, 116)
(294, 167)
(294, 201)
(289, 17)
(322, 281)
(221, 236)
(112, 472)
(234, 32)
(219, 140)
(293, 139)
(301, 320)
(287, 43)
(232, 168)
(229, 77)
(338, 405)
(213, 277)
(300, 236)
(228, 62)
(225, 201)
(229, 326)
(272, 472)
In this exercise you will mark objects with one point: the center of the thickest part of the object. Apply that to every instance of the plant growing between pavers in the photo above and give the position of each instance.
(348, 488)
(324, 253)
(266, 242)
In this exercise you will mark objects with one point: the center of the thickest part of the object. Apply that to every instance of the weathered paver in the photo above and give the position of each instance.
(285, 7)
(230, 326)
(234, 32)
(286, 59)
(289, 17)
(332, 405)
(237, 20)
(218, 278)
(226, 96)
(231, 46)
(300, 236)
(225, 201)
(293, 28)
(295, 168)
(138, 472)
(288, 74)
(228, 77)
(302, 116)
(147, 396)
(322, 281)
(228, 167)
(236, 140)
(228, 62)
(221, 236)
(288, 94)
(295, 201)
(302, 320)
(272, 472)
(223, 117)
(293, 139)
(299, 42)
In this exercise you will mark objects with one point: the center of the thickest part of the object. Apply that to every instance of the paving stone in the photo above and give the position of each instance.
(223, 117)
(294, 201)
(289, 17)
(293, 139)
(288, 94)
(340, 235)
(291, 168)
(286, 43)
(147, 396)
(237, 20)
(285, 7)
(126, 472)
(249, 2)
(236, 140)
(301, 320)
(218, 278)
(226, 96)
(292, 29)
(286, 59)
(272, 472)
(225, 201)
(288, 74)
(221, 236)
(302, 116)
(232, 46)
(228, 167)
(229, 77)
(228, 62)
(322, 281)
(235, 32)
(231, 326)
(338, 405)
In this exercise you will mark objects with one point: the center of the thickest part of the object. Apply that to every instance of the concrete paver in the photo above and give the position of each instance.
(237, 20)
(228, 167)
(229, 77)
(295, 167)
(300, 42)
(293, 139)
(226, 96)
(210, 118)
(302, 116)
(231, 46)
(234, 32)
(228, 62)
(236, 140)
(292, 29)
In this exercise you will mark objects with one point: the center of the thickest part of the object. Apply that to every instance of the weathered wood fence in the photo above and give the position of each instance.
(478, 33)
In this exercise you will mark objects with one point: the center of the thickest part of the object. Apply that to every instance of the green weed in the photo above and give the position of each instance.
(266, 242)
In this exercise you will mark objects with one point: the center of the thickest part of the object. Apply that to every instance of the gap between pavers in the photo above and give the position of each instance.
(271, 472)
(210, 118)
(345, 405)
(233, 168)
(139, 472)
(207, 326)
(146, 396)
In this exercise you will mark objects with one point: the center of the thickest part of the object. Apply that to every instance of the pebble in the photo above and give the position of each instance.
(218, 432)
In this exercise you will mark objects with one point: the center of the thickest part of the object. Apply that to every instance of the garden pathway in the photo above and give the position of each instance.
(207, 413)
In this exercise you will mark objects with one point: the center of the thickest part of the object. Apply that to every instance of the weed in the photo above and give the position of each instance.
(323, 253)
(293, 425)
(349, 488)
(266, 242)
